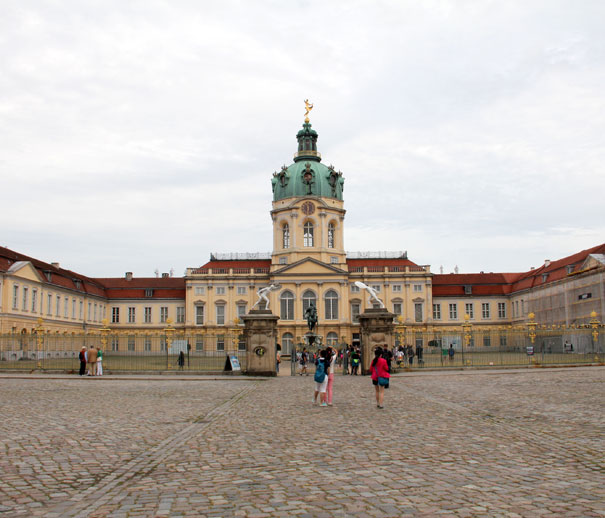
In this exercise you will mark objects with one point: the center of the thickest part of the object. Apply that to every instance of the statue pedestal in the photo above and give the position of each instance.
(260, 334)
(376, 331)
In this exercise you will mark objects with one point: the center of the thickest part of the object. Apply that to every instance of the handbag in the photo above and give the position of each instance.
(383, 382)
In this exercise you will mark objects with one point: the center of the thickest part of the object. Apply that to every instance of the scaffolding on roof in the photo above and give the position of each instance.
(378, 255)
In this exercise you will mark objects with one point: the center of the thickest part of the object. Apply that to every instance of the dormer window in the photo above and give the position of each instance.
(570, 268)
(544, 277)
(149, 292)
(468, 289)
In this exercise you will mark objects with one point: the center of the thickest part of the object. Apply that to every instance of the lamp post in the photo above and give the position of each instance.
(594, 324)
(168, 332)
(40, 340)
(467, 329)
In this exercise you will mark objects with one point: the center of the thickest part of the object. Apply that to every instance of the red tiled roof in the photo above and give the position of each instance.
(452, 284)
(59, 276)
(143, 282)
(124, 293)
(556, 270)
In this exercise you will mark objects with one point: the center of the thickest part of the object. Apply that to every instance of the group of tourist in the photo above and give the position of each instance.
(91, 361)
(325, 364)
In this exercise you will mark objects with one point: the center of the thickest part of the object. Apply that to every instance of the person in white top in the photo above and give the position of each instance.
(332, 364)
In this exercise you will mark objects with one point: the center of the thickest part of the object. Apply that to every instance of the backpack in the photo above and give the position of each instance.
(320, 373)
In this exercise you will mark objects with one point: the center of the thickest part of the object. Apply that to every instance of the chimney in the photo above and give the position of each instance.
(128, 276)
(165, 275)
(56, 265)
(546, 263)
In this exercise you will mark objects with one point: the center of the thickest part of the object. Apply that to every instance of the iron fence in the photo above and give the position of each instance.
(121, 352)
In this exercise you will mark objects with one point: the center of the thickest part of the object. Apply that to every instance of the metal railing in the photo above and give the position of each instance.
(121, 352)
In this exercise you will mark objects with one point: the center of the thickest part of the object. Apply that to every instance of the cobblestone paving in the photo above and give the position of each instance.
(518, 443)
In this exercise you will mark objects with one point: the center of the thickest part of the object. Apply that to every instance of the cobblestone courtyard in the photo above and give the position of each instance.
(517, 443)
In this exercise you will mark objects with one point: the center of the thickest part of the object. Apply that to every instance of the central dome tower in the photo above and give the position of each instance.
(308, 211)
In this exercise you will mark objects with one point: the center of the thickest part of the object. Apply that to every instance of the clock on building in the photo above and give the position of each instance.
(308, 208)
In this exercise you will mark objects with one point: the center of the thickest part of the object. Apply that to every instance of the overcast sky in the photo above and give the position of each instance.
(137, 136)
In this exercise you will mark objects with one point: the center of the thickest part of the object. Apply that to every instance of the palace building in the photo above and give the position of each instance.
(309, 263)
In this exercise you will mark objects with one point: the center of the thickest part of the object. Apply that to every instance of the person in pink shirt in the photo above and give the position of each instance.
(379, 370)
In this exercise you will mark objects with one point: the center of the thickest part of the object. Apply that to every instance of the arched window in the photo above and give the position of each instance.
(331, 305)
(286, 300)
(330, 235)
(307, 298)
(286, 236)
(287, 340)
(308, 234)
(332, 339)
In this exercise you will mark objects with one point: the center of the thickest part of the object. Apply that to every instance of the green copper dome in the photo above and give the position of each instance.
(307, 176)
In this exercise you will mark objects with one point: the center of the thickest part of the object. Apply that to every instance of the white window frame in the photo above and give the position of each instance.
(437, 311)
(453, 310)
(163, 314)
(219, 310)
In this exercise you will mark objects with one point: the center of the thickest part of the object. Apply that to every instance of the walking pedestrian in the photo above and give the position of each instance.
(304, 359)
(380, 376)
(451, 352)
(99, 362)
(321, 379)
(355, 360)
(411, 355)
(333, 355)
(82, 358)
(181, 360)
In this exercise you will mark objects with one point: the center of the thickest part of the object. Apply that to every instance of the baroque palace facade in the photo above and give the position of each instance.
(310, 265)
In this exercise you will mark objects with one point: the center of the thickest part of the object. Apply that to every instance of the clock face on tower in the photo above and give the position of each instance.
(308, 208)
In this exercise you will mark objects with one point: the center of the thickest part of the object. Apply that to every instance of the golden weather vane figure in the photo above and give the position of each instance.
(308, 108)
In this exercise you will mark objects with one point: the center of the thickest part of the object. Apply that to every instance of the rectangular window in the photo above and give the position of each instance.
(501, 309)
(487, 341)
(73, 308)
(354, 288)
(95, 313)
(58, 308)
(199, 343)
(199, 290)
(34, 301)
(418, 317)
(436, 311)
(376, 287)
(220, 343)
(283, 260)
(115, 344)
(66, 307)
(241, 311)
(453, 311)
(469, 310)
(147, 314)
(147, 344)
(115, 315)
(503, 341)
(333, 260)
(485, 310)
(131, 315)
(199, 315)
(220, 315)
(81, 310)
(242, 290)
(131, 343)
(417, 287)
(220, 290)
(468, 289)
(397, 308)
(25, 297)
(149, 292)
(355, 308)
(89, 314)
(15, 297)
(396, 288)
(180, 315)
(163, 314)
(49, 304)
